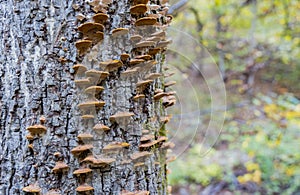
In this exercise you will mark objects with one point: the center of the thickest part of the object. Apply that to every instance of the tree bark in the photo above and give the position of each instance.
(37, 53)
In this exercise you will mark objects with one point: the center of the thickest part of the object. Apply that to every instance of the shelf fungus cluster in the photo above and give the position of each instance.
(120, 74)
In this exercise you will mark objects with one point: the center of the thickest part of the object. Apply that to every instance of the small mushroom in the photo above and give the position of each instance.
(144, 57)
(57, 154)
(146, 138)
(158, 96)
(145, 44)
(130, 72)
(115, 146)
(91, 27)
(87, 116)
(82, 171)
(160, 34)
(135, 62)
(85, 136)
(96, 73)
(32, 189)
(155, 39)
(163, 44)
(165, 119)
(121, 116)
(30, 137)
(93, 90)
(170, 83)
(60, 166)
(42, 120)
(139, 155)
(147, 145)
(119, 32)
(91, 104)
(141, 85)
(136, 38)
(138, 97)
(140, 2)
(168, 145)
(101, 127)
(153, 76)
(100, 18)
(79, 68)
(82, 82)
(111, 65)
(98, 161)
(124, 57)
(81, 148)
(84, 188)
(154, 51)
(80, 17)
(138, 9)
(146, 21)
(37, 129)
(83, 46)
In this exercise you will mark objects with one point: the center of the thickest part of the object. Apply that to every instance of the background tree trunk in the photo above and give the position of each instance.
(37, 53)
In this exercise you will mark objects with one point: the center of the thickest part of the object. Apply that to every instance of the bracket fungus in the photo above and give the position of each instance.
(146, 21)
(96, 73)
(32, 189)
(138, 97)
(87, 116)
(79, 69)
(170, 83)
(82, 171)
(115, 146)
(82, 82)
(30, 137)
(135, 193)
(124, 57)
(84, 188)
(138, 9)
(93, 90)
(91, 27)
(85, 136)
(135, 62)
(154, 51)
(119, 32)
(81, 148)
(136, 38)
(140, 1)
(83, 46)
(139, 155)
(158, 96)
(146, 138)
(91, 104)
(98, 161)
(60, 166)
(153, 76)
(145, 44)
(144, 57)
(120, 116)
(101, 127)
(37, 129)
(111, 65)
(100, 18)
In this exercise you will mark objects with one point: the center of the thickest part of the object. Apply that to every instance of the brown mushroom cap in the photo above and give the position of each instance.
(82, 82)
(30, 137)
(139, 155)
(124, 56)
(146, 138)
(98, 161)
(133, 62)
(120, 32)
(130, 72)
(84, 188)
(92, 90)
(139, 96)
(60, 166)
(140, 2)
(96, 73)
(100, 18)
(153, 76)
(81, 148)
(87, 116)
(83, 45)
(37, 129)
(121, 115)
(101, 127)
(160, 34)
(145, 44)
(163, 44)
(95, 37)
(115, 146)
(136, 38)
(79, 68)
(155, 39)
(146, 21)
(91, 27)
(168, 145)
(158, 96)
(148, 144)
(85, 136)
(144, 57)
(154, 51)
(144, 83)
(91, 104)
(32, 189)
(53, 192)
(111, 65)
(82, 171)
(170, 83)
(138, 9)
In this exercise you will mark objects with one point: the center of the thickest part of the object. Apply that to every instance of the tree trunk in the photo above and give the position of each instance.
(43, 111)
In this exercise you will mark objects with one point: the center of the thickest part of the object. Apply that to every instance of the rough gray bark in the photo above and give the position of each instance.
(37, 53)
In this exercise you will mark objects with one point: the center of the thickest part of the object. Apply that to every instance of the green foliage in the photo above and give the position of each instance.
(194, 169)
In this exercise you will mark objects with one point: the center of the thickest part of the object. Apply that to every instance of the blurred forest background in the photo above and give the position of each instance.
(256, 45)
